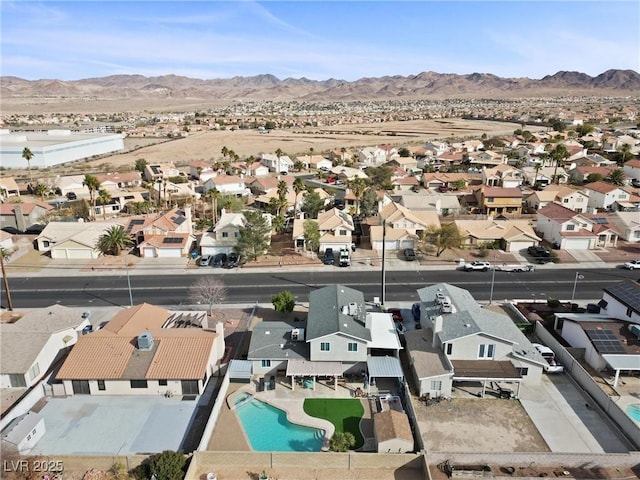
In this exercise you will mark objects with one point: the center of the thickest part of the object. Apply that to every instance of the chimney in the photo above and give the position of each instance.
(189, 220)
(19, 216)
(437, 327)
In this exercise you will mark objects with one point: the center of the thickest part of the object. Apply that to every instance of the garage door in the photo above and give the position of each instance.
(407, 244)
(149, 252)
(215, 250)
(576, 244)
(71, 253)
(169, 253)
(517, 246)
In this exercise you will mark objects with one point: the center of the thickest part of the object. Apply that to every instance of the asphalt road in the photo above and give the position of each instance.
(251, 287)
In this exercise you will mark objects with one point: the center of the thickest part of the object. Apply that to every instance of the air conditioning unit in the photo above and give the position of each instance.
(145, 341)
(297, 334)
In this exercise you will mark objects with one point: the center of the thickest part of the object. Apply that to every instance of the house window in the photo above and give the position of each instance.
(636, 234)
(138, 383)
(162, 383)
(325, 347)
(449, 348)
(436, 385)
(34, 371)
(225, 234)
(489, 199)
(266, 363)
(566, 200)
(353, 347)
(17, 380)
(571, 228)
(579, 199)
(485, 351)
(629, 312)
(98, 210)
(101, 385)
(523, 371)
(236, 234)
(45, 244)
(115, 208)
(33, 432)
(28, 437)
(342, 232)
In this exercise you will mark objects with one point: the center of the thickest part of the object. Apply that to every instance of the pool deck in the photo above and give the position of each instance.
(230, 436)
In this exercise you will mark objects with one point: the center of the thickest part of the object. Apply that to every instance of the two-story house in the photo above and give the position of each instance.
(159, 171)
(202, 170)
(279, 164)
(403, 227)
(119, 180)
(466, 344)
(227, 184)
(496, 201)
(487, 158)
(165, 235)
(224, 236)
(605, 196)
(628, 225)
(571, 230)
(573, 198)
(339, 337)
(371, 156)
(502, 176)
(632, 168)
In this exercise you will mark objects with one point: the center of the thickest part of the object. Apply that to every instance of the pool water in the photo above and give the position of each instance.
(633, 411)
(268, 430)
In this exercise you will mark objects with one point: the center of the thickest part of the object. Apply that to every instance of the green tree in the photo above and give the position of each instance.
(254, 236)
(558, 155)
(41, 190)
(616, 177)
(93, 185)
(404, 152)
(104, 197)
(298, 166)
(342, 441)
(358, 186)
(283, 302)
(283, 189)
(584, 129)
(141, 163)
(27, 154)
(444, 238)
(557, 124)
(278, 223)
(224, 151)
(369, 202)
(380, 177)
(624, 152)
(311, 233)
(230, 203)
(167, 465)
(594, 177)
(298, 186)
(114, 240)
(312, 204)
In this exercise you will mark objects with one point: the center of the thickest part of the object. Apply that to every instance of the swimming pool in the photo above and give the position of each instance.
(268, 430)
(633, 411)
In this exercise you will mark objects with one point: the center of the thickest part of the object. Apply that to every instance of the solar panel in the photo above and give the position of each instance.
(172, 240)
(626, 292)
(600, 220)
(179, 220)
(605, 341)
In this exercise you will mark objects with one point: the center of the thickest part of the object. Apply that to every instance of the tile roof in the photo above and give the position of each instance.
(632, 163)
(557, 212)
(601, 187)
(27, 207)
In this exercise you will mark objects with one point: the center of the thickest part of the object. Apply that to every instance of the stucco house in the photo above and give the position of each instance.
(144, 350)
(23, 215)
(511, 235)
(441, 203)
(404, 227)
(119, 180)
(371, 156)
(160, 171)
(574, 198)
(278, 164)
(496, 201)
(628, 225)
(571, 230)
(470, 345)
(73, 240)
(224, 236)
(227, 184)
(8, 188)
(632, 168)
(502, 176)
(336, 230)
(392, 432)
(340, 337)
(603, 195)
(35, 341)
(164, 235)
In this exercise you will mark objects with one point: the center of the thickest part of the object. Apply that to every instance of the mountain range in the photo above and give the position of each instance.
(425, 85)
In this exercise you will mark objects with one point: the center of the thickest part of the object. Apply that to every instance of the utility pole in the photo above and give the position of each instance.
(6, 282)
(493, 276)
(384, 239)
(126, 265)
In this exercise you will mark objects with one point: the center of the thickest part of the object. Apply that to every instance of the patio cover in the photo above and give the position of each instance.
(302, 368)
(240, 369)
(622, 362)
(384, 367)
(465, 370)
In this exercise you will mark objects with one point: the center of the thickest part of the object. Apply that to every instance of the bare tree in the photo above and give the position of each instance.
(208, 291)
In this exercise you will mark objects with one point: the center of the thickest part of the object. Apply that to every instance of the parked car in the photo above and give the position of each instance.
(205, 261)
(71, 196)
(538, 251)
(553, 366)
(86, 314)
(345, 260)
(632, 265)
(477, 266)
(415, 311)
(87, 329)
(396, 314)
(409, 254)
(11, 230)
(516, 267)
(233, 260)
(329, 258)
(219, 260)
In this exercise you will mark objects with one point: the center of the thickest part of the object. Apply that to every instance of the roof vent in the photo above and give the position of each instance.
(353, 309)
(145, 341)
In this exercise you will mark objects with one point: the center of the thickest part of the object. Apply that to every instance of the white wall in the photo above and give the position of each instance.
(619, 310)
(575, 336)
(123, 387)
(338, 349)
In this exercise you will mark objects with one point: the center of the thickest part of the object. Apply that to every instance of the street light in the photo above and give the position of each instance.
(575, 283)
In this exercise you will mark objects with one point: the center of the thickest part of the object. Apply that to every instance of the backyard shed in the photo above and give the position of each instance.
(23, 433)
(392, 432)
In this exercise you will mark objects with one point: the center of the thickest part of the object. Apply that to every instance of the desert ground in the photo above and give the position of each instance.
(208, 145)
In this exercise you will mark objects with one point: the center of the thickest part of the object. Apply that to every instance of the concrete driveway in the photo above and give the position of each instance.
(567, 420)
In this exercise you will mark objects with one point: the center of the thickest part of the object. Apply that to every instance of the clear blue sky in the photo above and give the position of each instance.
(317, 40)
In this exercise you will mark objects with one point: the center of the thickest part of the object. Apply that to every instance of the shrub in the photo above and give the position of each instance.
(342, 441)
(167, 465)
(283, 302)
(553, 302)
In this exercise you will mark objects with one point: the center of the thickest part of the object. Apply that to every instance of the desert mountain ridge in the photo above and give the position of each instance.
(175, 89)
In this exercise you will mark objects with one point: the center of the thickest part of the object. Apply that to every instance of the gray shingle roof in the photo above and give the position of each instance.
(272, 341)
(326, 315)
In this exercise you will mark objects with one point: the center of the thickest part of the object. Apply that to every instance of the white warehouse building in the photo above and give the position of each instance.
(54, 147)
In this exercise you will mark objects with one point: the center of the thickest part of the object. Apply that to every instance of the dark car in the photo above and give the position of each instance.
(329, 258)
(409, 254)
(219, 260)
(11, 230)
(538, 251)
(233, 260)
(396, 314)
(71, 196)
(415, 311)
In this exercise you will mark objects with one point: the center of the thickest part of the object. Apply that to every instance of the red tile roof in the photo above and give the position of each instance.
(601, 187)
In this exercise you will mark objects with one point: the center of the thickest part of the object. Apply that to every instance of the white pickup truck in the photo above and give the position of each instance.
(505, 267)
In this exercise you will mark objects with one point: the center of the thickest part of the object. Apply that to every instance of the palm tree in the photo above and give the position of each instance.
(624, 152)
(41, 190)
(358, 186)
(559, 154)
(298, 186)
(27, 154)
(104, 197)
(93, 185)
(279, 153)
(283, 189)
(213, 194)
(616, 177)
(4, 255)
(114, 240)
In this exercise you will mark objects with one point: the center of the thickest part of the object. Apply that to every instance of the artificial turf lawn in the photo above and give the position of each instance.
(344, 413)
